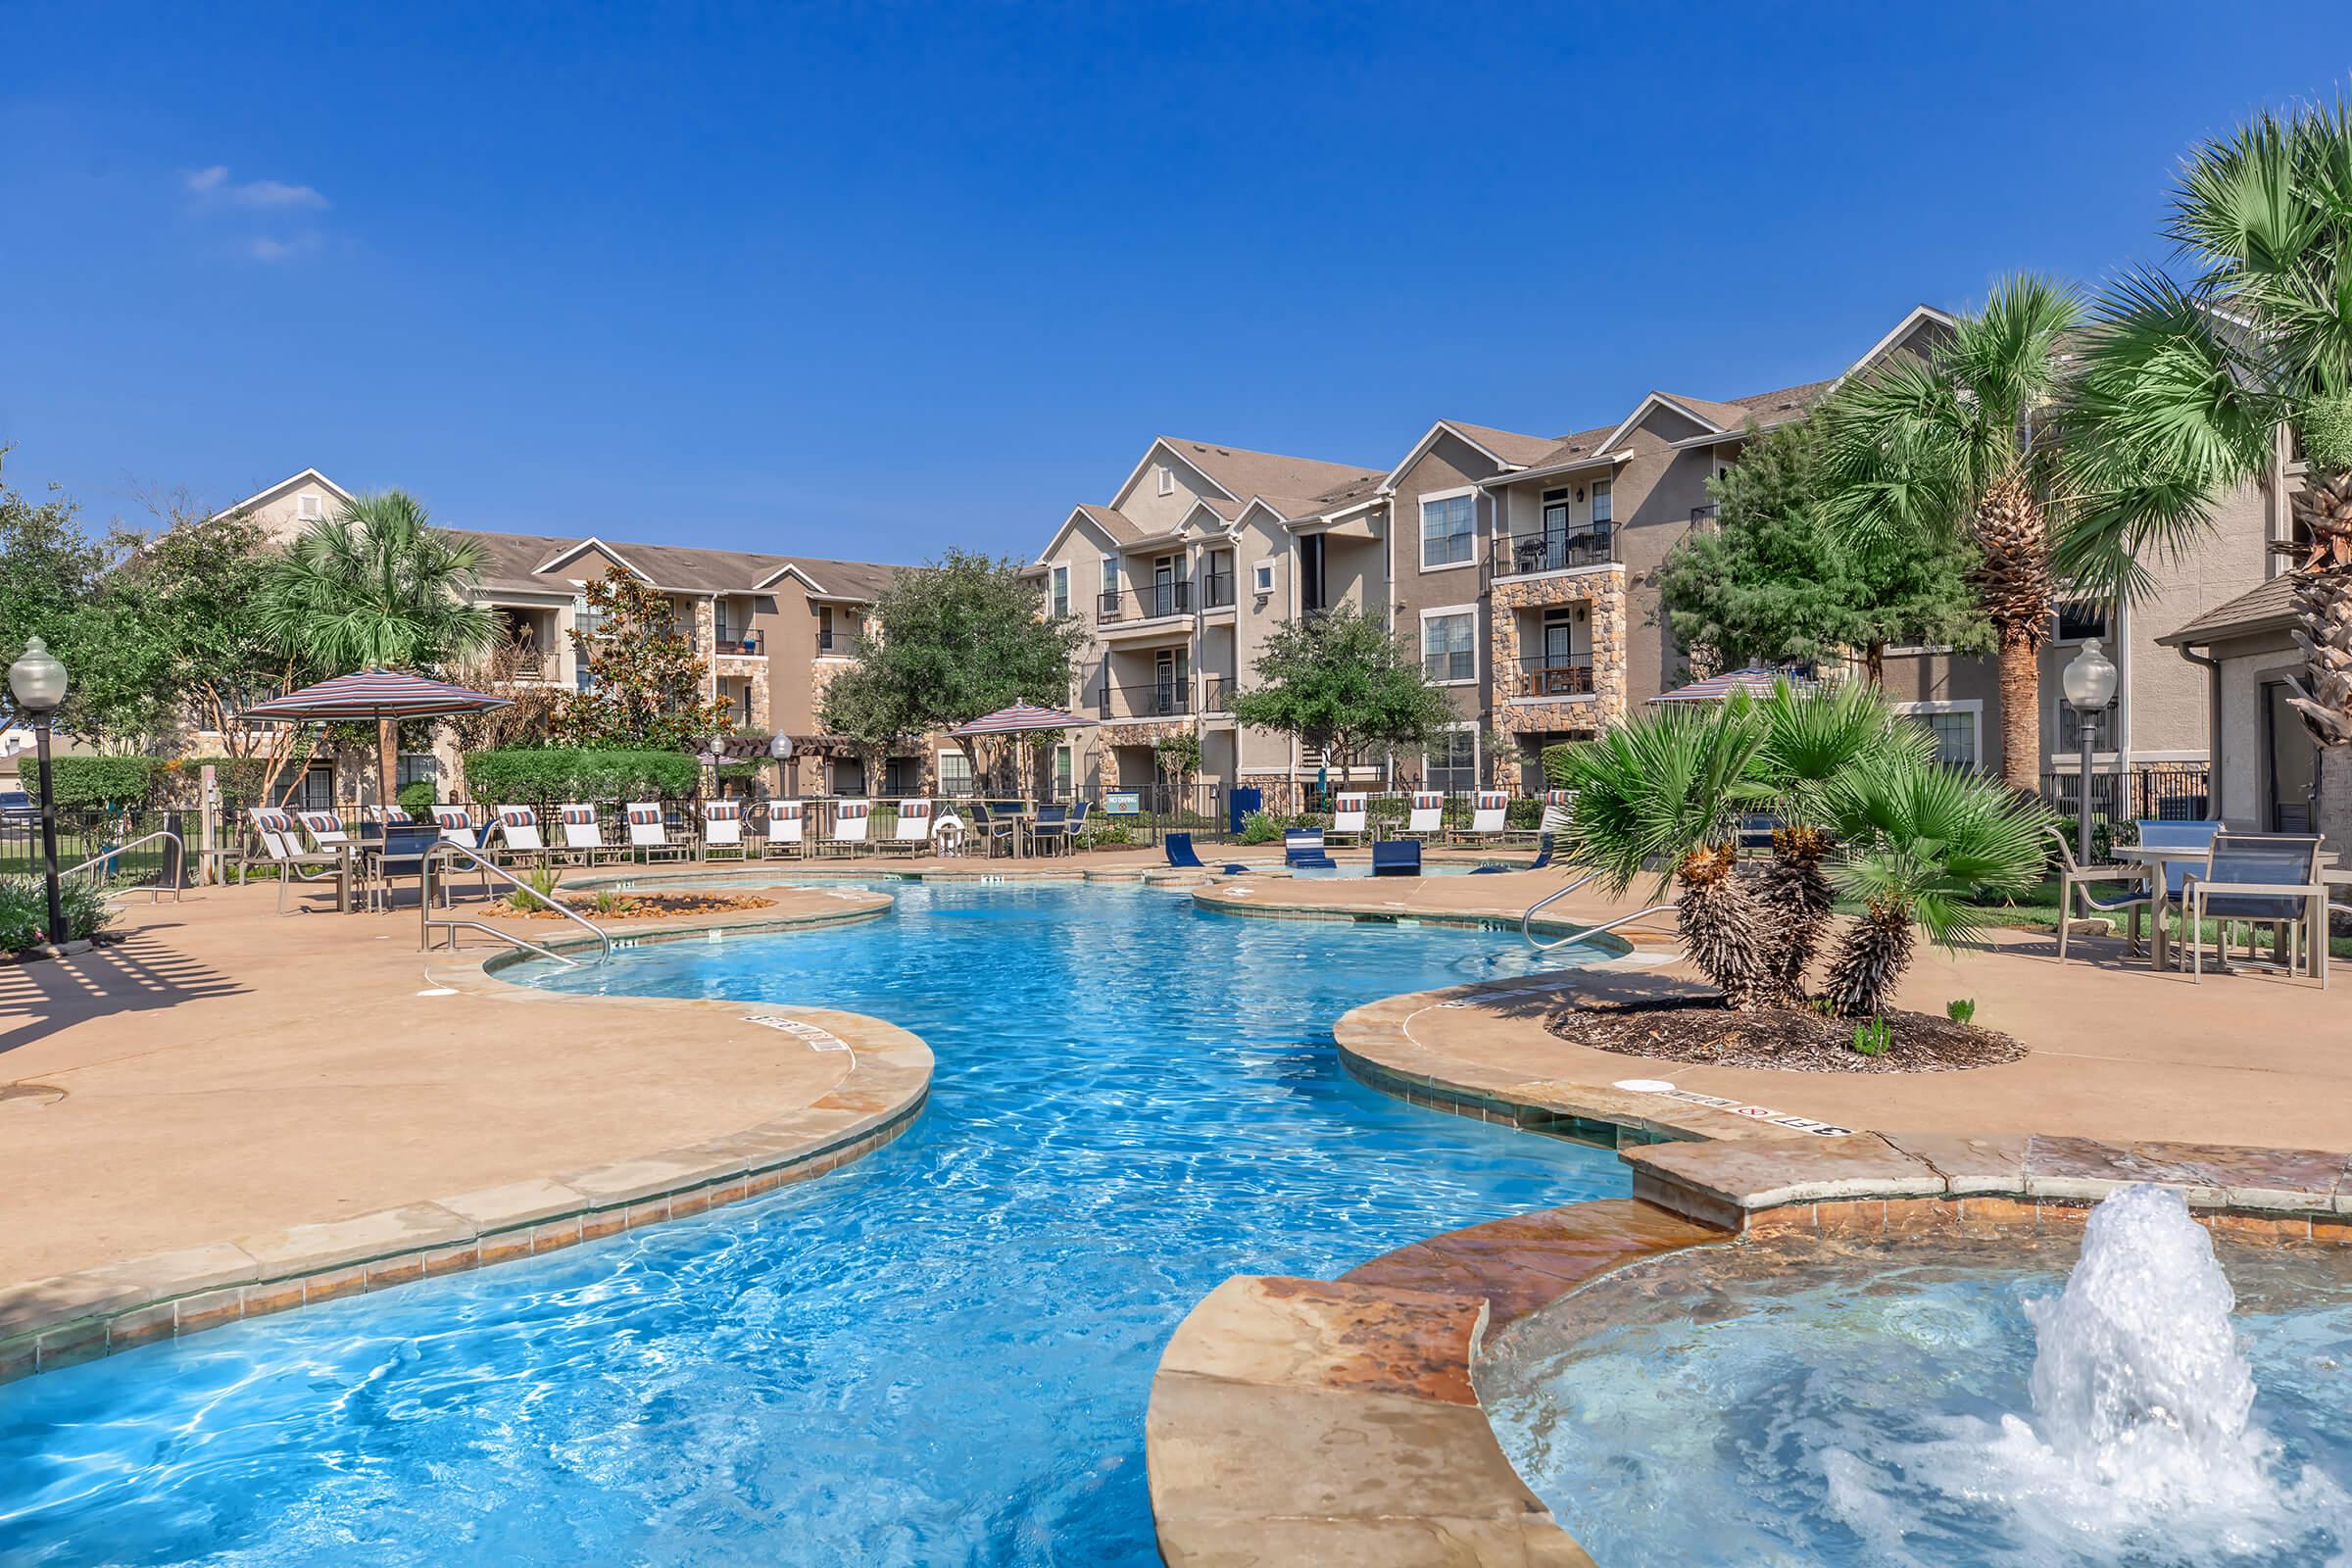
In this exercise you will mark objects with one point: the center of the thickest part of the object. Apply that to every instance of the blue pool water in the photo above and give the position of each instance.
(940, 1354)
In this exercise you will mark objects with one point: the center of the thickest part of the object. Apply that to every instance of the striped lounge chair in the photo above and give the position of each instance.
(787, 822)
(649, 838)
(584, 836)
(722, 830)
(280, 838)
(852, 820)
(913, 830)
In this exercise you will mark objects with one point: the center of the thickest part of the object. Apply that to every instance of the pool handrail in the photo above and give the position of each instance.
(155, 890)
(1528, 916)
(442, 848)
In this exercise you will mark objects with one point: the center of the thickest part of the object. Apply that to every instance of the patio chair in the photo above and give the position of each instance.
(1488, 811)
(1050, 829)
(1351, 816)
(1427, 815)
(1303, 846)
(2268, 879)
(722, 830)
(1396, 858)
(648, 836)
(1755, 832)
(2076, 882)
(912, 830)
(1074, 826)
(786, 822)
(852, 820)
(584, 836)
(517, 829)
(281, 846)
(996, 826)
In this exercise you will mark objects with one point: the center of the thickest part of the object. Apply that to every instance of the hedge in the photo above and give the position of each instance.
(578, 773)
(102, 781)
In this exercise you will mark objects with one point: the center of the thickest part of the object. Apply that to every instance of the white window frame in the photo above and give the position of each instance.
(1468, 492)
(1261, 577)
(1110, 574)
(939, 770)
(308, 508)
(1972, 707)
(1057, 592)
(1065, 777)
(1601, 491)
(1464, 728)
(1166, 481)
(1445, 612)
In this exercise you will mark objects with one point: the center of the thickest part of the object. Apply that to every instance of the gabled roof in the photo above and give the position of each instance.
(1568, 452)
(519, 562)
(1239, 473)
(2267, 608)
(1912, 319)
(1507, 449)
(285, 484)
(1113, 524)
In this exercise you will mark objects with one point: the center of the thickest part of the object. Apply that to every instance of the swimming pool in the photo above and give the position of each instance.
(939, 1354)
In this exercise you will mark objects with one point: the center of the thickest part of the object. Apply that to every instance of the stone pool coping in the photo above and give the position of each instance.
(1295, 1421)
(71, 1318)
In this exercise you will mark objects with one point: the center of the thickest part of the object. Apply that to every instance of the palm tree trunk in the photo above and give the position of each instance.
(1874, 664)
(2013, 583)
(1796, 900)
(387, 759)
(2019, 667)
(1720, 924)
(1872, 958)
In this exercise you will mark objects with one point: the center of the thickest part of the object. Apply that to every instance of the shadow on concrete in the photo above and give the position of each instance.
(40, 996)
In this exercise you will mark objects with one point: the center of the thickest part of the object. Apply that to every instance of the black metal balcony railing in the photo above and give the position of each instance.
(1144, 604)
(1706, 514)
(844, 643)
(1216, 590)
(741, 640)
(1216, 694)
(1520, 555)
(1553, 677)
(1160, 701)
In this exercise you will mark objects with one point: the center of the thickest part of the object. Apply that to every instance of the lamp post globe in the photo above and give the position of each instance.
(38, 682)
(2088, 682)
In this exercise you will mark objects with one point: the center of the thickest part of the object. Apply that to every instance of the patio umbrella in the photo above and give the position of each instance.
(1021, 719)
(372, 694)
(1756, 680)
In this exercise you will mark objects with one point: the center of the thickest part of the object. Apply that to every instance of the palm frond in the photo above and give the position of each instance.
(2005, 357)
(1894, 457)
(1666, 783)
(1810, 738)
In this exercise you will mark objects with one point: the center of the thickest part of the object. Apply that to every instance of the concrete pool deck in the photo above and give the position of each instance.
(230, 1102)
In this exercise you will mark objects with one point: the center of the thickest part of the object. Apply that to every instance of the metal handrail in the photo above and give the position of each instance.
(155, 890)
(1527, 920)
(424, 904)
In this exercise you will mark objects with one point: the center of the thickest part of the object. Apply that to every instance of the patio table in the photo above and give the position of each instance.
(2153, 862)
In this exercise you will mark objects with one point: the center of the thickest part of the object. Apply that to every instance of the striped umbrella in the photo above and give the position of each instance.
(377, 694)
(1021, 719)
(1755, 680)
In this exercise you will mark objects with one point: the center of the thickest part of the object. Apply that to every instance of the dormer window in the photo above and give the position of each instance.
(1165, 479)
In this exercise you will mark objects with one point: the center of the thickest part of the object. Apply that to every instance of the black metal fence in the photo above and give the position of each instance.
(91, 834)
(2164, 792)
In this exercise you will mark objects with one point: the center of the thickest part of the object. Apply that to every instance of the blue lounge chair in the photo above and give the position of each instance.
(1396, 858)
(1303, 846)
(1179, 847)
(1543, 859)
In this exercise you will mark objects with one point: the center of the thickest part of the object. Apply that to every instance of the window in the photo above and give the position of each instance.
(1448, 531)
(417, 767)
(902, 777)
(1110, 575)
(1453, 766)
(1600, 504)
(954, 773)
(1448, 646)
(1955, 737)
(1166, 481)
(2069, 729)
(1061, 592)
(1261, 579)
(1064, 767)
(849, 775)
(2082, 619)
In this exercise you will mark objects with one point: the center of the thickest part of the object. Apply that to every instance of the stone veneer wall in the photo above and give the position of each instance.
(1604, 591)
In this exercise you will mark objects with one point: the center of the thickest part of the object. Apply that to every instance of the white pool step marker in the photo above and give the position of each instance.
(438, 991)
(816, 1039)
(1735, 1107)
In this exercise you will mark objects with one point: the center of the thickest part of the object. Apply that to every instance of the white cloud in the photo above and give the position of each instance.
(213, 184)
(266, 249)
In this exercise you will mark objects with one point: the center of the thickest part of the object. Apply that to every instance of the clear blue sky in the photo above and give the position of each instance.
(870, 280)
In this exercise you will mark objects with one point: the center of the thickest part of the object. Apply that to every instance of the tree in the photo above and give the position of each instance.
(952, 640)
(645, 680)
(199, 585)
(1956, 445)
(533, 712)
(1342, 684)
(48, 566)
(2187, 389)
(1774, 583)
(375, 587)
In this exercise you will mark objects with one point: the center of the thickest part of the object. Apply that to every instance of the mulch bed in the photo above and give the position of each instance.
(655, 906)
(1788, 1040)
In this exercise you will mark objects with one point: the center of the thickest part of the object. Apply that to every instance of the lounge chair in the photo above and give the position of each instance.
(1350, 816)
(1396, 858)
(281, 846)
(786, 820)
(722, 830)
(2268, 879)
(457, 826)
(852, 820)
(913, 831)
(584, 836)
(649, 837)
(517, 829)
(1427, 815)
(2076, 885)
(1489, 811)
(1303, 846)
(1178, 846)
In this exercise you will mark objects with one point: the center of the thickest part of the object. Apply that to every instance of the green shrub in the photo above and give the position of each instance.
(25, 910)
(1872, 1038)
(1522, 813)
(418, 798)
(1106, 835)
(737, 773)
(113, 782)
(1961, 1010)
(578, 773)
(541, 880)
(1261, 827)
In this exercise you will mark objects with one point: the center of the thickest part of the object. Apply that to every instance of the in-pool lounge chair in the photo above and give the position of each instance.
(913, 832)
(649, 837)
(1303, 846)
(786, 820)
(1396, 858)
(722, 831)
(852, 820)
(584, 836)
(1428, 815)
(1350, 816)
(281, 846)
(1181, 855)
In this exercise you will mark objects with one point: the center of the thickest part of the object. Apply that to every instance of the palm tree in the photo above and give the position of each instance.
(1920, 842)
(374, 587)
(1667, 789)
(1954, 444)
(2189, 389)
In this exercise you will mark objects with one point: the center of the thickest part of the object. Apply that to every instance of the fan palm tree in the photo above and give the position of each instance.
(1954, 444)
(2189, 389)
(1920, 842)
(375, 587)
(1666, 789)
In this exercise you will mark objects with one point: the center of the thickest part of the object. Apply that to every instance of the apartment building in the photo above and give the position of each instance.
(1524, 568)
(771, 629)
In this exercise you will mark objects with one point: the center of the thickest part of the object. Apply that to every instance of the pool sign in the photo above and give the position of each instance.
(1733, 1108)
(1123, 802)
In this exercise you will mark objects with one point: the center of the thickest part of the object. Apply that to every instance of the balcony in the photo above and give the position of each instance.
(1541, 678)
(530, 667)
(1163, 700)
(742, 641)
(1216, 590)
(1151, 603)
(1552, 550)
(838, 644)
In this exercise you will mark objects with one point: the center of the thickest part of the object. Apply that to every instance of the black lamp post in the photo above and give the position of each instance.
(2089, 686)
(39, 683)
